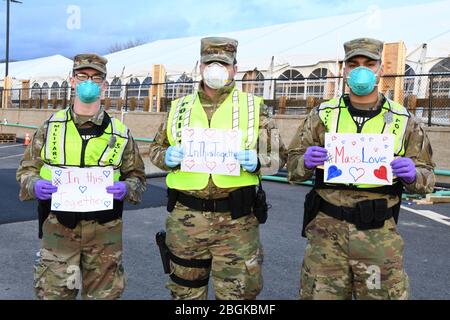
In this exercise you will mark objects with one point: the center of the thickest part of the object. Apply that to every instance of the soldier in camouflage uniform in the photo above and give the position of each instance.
(82, 250)
(202, 234)
(349, 252)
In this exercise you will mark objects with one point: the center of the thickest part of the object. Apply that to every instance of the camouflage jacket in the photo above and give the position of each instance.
(311, 132)
(271, 161)
(132, 169)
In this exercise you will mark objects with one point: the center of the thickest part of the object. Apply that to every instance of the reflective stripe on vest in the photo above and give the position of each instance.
(238, 111)
(62, 136)
(337, 119)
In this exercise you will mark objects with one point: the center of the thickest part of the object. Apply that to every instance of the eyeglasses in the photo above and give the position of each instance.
(84, 77)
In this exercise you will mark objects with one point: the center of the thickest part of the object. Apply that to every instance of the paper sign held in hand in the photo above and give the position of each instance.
(82, 189)
(211, 151)
(359, 158)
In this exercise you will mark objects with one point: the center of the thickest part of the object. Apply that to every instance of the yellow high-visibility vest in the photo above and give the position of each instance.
(239, 111)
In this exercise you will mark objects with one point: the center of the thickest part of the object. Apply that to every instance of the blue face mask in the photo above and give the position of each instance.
(88, 91)
(362, 81)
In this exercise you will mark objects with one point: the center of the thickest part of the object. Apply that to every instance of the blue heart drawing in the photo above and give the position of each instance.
(362, 139)
(56, 205)
(343, 141)
(333, 172)
(82, 188)
(370, 139)
(107, 203)
(58, 172)
(329, 145)
(386, 146)
(106, 173)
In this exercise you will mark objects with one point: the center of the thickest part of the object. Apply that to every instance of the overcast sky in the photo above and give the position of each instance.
(47, 27)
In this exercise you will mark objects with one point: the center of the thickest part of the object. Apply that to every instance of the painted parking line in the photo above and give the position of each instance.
(12, 146)
(13, 156)
(430, 215)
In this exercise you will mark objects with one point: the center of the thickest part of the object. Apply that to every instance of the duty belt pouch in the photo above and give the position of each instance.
(371, 214)
(172, 196)
(110, 215)
(69, 219)
(260, 207)
(311, 209)
(242, 201)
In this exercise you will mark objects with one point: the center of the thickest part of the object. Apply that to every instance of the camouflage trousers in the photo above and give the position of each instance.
(343, 263)
(233, 245)
(88, 257)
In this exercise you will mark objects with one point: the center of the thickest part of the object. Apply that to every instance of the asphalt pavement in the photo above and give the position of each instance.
(425, 230)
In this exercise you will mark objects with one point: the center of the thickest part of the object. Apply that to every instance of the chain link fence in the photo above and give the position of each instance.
(427, 96)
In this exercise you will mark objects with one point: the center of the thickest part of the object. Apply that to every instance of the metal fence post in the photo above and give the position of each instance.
(65, 97)
(126, 97)
(430, 100)
(40, 97)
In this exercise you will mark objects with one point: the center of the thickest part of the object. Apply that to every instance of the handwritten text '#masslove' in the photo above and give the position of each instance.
(340, 157)
(205, 150)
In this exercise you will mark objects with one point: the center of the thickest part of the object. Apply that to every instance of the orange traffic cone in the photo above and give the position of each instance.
(27, 140)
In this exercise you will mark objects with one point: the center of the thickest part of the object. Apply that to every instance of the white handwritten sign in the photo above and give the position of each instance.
(211, 151)
(359, 158)
(82, 189)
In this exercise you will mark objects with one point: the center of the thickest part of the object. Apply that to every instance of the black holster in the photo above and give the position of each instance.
(311, 209)
(163, 250)
(261, 208)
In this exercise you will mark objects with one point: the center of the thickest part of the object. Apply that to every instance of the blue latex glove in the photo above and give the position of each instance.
(405, 169)
(315, 156)
(118, 190)
(248, 159)
(44, 189)
(174, 156)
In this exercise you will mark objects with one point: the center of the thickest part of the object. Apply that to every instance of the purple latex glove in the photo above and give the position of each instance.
(119, 190)
(43, 189)
(315, 156)
(405, 169)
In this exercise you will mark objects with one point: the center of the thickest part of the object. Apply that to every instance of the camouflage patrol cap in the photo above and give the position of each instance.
(367, 47)
(90, 60)
(218, 49)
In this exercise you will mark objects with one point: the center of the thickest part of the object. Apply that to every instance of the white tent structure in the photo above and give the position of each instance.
(307, 44)
(48, 69)
(299, 50)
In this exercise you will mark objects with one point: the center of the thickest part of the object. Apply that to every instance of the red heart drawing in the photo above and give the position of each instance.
(210, 133)
(189, 163)
(333, 138)
(189, 132)
(381, 173)
(211, 165)
(354, 143)
(231, 167)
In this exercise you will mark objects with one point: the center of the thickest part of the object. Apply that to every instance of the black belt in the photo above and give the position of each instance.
(209, 205)
(369, 214)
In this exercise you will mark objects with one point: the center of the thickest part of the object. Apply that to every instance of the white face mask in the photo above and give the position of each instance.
(215, 76)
